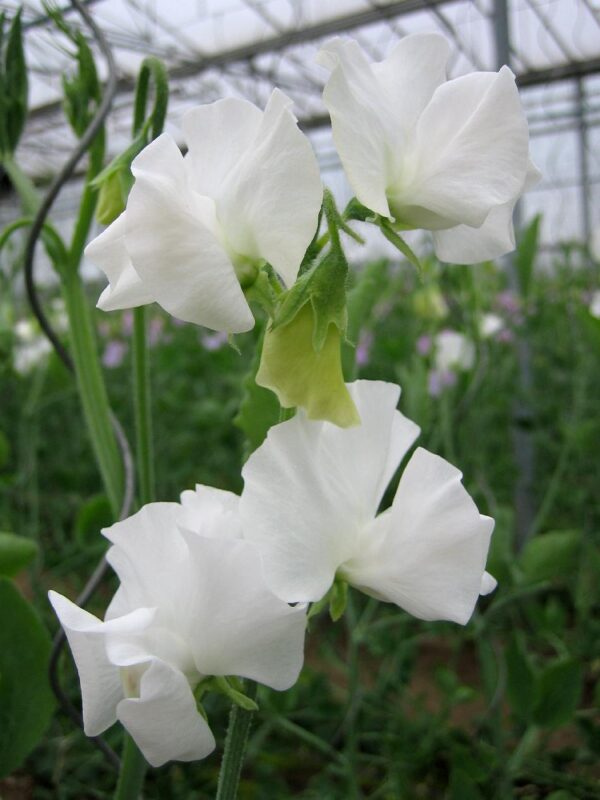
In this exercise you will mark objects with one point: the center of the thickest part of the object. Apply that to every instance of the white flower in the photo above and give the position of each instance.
(595, 304)
(192, 603)
(453, 351)
(448, 156)
(196, 228)
(31, 348)
(312, 491)
(490, 325)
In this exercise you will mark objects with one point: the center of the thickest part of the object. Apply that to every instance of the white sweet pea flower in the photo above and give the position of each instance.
(196, 229)
(453, 351)
(594, 306)
(490, 325)
(448, 156)
(312, 491)
(192, 603)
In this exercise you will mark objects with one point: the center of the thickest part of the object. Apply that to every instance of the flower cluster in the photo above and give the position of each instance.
(216, 587)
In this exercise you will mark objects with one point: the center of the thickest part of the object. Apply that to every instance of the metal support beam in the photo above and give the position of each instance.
(584, 169)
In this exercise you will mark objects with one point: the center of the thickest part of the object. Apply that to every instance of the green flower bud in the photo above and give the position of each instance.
(301, 375)
(112, 196)
(429, 303)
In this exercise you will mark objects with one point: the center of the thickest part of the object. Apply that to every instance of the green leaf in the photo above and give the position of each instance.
(558, 692)
(14, 88)
(239, 698)
(526, 253)
(92, 516)
(26, 701)
(520, 678)
(4, 450)
(462, 786)
(551, 556)
(338, 599)
(16, 552)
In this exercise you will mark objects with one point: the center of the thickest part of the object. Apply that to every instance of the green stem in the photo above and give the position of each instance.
(22, 185)
(143, 416)
(351, 736)
(92, 390)
(133, 769)
(235, 747)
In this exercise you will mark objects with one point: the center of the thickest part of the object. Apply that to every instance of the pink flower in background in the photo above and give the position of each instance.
(508, 301)
(127, 323)
(424, 344)
(438, 380)
(114, 353)
(214, 341)
(155, 330)
(506, 336)
(363, 348)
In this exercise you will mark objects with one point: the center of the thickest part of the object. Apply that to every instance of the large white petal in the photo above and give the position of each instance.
(495, 238)
(170, 239)
(361, 120)
(219, 136)
(211, 512)
(101, 687)
(241, 627)
(311, 486)
(472, 150)
(427, 553)
(269, 206)
(164, 720)
(107, 251)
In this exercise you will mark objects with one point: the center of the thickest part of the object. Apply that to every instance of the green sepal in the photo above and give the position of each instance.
(319, 606)
(338, 599)
(392, 236)
(112, 197)
(355, 210)
(223, 685)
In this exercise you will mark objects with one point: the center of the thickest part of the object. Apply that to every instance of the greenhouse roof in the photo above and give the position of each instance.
(217, 48)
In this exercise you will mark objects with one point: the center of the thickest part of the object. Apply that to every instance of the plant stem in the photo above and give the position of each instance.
(92, 390)
(22, 185)
(133, 769)
(351, 737)
(235, 747)
(143, 416)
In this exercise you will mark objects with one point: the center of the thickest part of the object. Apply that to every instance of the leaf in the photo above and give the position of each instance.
(462, 786)
(526, 252)
(551, 556)
(13, 87)
(92, 516)
(16, 552)
(26, 701)
(558, 693)
(520, 678)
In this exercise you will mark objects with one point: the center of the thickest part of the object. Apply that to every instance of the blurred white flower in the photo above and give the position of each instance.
(310, 501)
(453, 351)
(491, 325)
(595, 304)
(196, 229)
(448, 156)
(31, 346)
(192, 603)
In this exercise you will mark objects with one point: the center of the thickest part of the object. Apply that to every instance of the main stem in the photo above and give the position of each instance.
(235, 747)
(143, 415)
(133, 769)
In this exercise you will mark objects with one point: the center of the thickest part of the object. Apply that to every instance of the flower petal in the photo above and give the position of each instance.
(101, 687)
(241, 627)
(466, 166)
(495, 238)
(164, 721)
(269, 207)
(211, 512)
(427, 553)
(173, 248)
(311, 486)
(107, 251)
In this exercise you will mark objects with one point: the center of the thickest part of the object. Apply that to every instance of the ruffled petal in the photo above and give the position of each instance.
(241, 627)
(495, 238)
(211, 512)
(171, 242)
(427, 553)
(311, 486)
(471, 153)
(101, 687)
(269, 206)
(361, 120)
(164, 720)
(107, 251)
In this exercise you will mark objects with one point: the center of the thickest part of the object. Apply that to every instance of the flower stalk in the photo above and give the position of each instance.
(235, 747)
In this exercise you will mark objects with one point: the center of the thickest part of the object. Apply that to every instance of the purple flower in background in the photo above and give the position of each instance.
(114, 353)
(104, 329)
(424, 343)
(505, 336)
(127, 323)
(363, 348)
(438, 380)
(214, 341)
(508, 301)
(155, 330)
